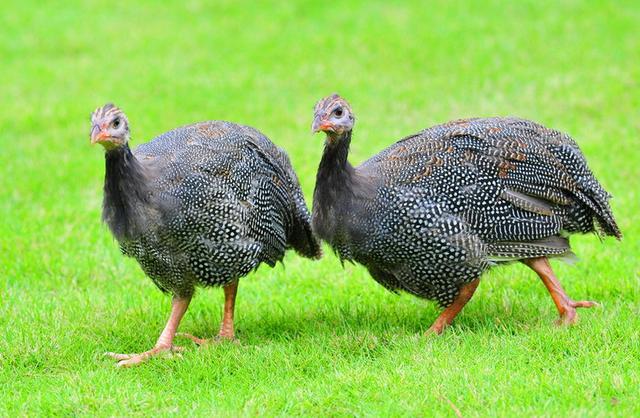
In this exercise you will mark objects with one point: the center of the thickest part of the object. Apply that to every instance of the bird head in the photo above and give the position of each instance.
(333, 116)
(109, 127)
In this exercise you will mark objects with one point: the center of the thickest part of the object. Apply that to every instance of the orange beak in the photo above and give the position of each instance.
(321, 125)
(100, 136)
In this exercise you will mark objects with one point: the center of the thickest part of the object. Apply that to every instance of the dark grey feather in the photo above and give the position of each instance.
(205, 204)
(438, 208)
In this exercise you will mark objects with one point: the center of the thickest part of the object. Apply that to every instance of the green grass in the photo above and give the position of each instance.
(316, 339)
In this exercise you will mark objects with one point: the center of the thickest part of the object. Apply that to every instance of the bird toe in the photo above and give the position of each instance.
(129, 360)
(118, 356)
(197, 340)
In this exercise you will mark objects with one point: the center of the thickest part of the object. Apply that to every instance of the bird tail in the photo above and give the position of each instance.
(305, 243)
(593, 213)
(598, 202)
(302, 238)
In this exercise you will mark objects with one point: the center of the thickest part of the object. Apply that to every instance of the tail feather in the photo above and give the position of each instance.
(304, 242)
(302, 238)
(598, 202)
(554, 246)
(589, 191)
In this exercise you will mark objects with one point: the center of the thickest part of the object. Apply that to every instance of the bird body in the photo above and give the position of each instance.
(204, 205)
(200, 205)
(432, 212)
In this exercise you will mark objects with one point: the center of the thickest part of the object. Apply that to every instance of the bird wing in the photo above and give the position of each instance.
(511, 180)
(226, 182)
(300, 236)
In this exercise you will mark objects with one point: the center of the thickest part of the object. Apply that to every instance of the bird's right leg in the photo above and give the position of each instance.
(566, 306)
(165, 341)
(226, 327)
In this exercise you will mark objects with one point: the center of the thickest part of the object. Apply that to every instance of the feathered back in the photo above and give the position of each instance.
(238, 173)
(532, 167)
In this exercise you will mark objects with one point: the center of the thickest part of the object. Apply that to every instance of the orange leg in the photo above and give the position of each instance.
(226, 327)
(566, 306)
(165, 341)
(447, 316)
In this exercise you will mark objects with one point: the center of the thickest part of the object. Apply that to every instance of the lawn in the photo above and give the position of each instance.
(315, 338)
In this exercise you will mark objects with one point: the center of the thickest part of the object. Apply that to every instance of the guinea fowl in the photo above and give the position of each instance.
(201, 205)
(431, 213)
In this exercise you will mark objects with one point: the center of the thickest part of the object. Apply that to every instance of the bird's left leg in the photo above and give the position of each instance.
(566, 306)
(226, 327)
(164, 344)
(446, 317)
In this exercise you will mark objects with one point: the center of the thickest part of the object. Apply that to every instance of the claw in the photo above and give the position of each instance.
(569, 316)
(226, 338)
(197, 340)
(585, 304)
(118, 356)
(566, 307)
(128, 360)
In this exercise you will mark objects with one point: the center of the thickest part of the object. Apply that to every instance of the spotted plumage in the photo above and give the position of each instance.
(201, 205)
(217, 200)
(434, 211)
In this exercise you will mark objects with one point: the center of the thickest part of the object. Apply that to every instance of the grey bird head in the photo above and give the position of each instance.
(109, 127)
(333, 116)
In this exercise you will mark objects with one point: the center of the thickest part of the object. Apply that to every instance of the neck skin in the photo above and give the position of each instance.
(334, 186)
(125, 193)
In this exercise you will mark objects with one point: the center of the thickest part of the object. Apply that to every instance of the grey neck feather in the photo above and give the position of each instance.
(333, 193)
(126, 203)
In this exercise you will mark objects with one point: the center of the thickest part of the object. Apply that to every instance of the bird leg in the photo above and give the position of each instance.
(566, 306)
(446, 317)
(226, 327)
(165, 341)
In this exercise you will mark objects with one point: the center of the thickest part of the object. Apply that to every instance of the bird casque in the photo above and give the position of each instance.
(201, 205)
(432, 212)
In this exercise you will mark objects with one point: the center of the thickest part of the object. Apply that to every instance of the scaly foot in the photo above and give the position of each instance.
(128, 360)
(437, 327)
(565, 305)
(568, 314)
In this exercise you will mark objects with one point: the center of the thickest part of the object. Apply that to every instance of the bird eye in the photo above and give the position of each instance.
(116, 123)
(338, 112)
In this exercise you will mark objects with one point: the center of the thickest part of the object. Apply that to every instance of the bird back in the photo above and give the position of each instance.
(229, 198)
(474, 163)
